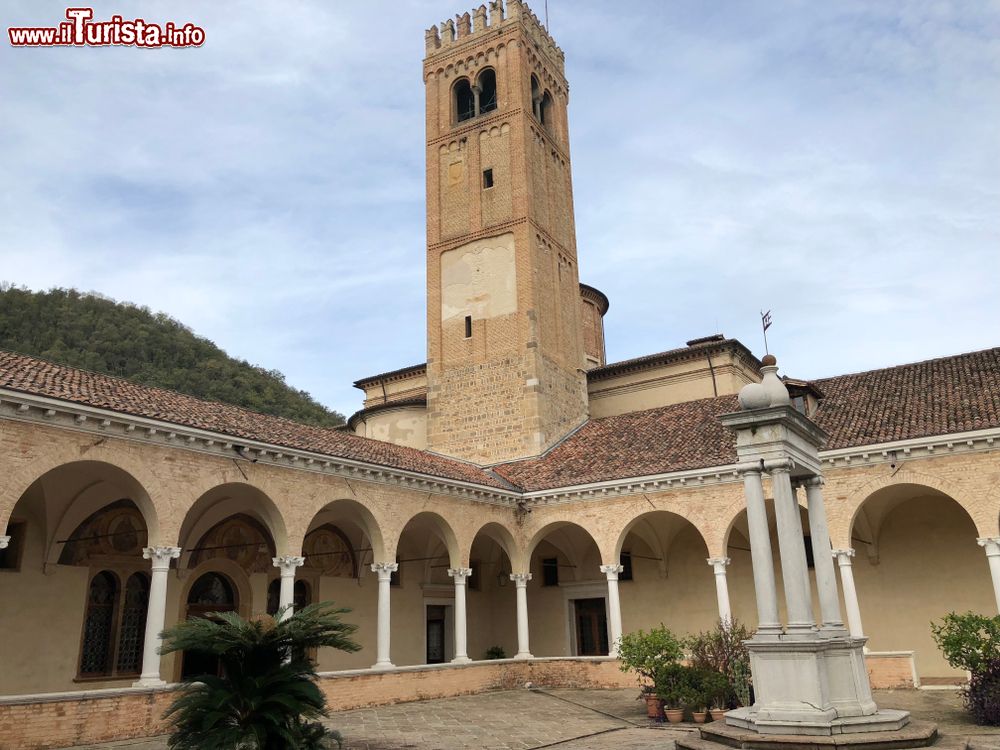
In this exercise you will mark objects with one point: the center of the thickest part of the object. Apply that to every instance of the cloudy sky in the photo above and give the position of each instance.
(836, 162)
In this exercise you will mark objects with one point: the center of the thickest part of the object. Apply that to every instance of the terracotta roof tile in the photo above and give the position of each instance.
(937, 397)
(26, 374)
(669, 438)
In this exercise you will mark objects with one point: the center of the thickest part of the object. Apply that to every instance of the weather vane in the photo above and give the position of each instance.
(765, 321)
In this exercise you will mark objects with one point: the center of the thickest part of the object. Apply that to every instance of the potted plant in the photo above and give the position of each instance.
(644, 653)
(716, 693)
(674, 687)
(723, 650)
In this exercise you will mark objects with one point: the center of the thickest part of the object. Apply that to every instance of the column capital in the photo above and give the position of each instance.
(385, 569)
(750, 469)
(843, 556)
(814, 482)
(161, 556)
(612, 571)
(460, 574)
(4, 541)
(991, 544)
(288, 563)
(520, 579)
(719, 563)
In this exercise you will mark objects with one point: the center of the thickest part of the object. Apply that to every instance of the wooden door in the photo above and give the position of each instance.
(591, 627)
(435, 634)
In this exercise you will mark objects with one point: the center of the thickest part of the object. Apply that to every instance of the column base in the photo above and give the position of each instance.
(461, 660)
(383, 665)
(523, 655)
(807, 684)
(149, 682)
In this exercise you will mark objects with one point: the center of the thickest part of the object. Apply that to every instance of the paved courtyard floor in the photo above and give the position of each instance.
(568, 720)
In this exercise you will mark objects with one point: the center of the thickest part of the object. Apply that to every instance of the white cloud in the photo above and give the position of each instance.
(836, 162)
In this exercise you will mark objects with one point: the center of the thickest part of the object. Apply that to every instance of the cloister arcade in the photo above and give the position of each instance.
(93, 562)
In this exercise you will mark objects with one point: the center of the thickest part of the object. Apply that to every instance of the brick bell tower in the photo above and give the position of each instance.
(505, 359)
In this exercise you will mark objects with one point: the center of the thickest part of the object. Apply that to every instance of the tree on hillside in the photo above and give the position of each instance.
(95, 333)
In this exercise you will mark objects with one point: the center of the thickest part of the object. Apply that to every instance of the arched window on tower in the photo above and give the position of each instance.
(465, 101)
(98, 625)
(545, 111)
(487, 83)
(536, 98)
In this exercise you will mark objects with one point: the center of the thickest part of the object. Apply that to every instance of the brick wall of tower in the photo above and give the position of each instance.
(517, 384)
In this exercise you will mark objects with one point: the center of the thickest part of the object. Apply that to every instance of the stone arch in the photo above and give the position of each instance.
(572, 549)
(229, 499)
(658, 529)
(916, 559)
(984, 516)
(441, 528)
(499, 534)
(134, 476)
(351, 511)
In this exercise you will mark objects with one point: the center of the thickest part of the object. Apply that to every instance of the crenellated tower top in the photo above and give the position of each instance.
(469, 27)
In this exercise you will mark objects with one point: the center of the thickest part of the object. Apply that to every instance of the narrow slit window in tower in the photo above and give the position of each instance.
(487, 179)
(468, 326)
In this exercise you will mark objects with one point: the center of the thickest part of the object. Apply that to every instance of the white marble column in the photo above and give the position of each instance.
(850, 592)
(822, 549)
(384, 571)
(794, 566)
(760, 555)
(992, 547)
(461, 575)
(156, 612)
(719, 565)
(521, 583)
(4, 541)
(286, 594)
(614, 607)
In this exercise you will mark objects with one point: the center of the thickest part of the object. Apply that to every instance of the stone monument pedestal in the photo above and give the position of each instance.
(811, 686)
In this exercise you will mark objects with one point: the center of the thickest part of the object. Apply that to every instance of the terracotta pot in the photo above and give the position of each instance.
(718, 714)
(699, 716)
(674, 715)
(654, 706)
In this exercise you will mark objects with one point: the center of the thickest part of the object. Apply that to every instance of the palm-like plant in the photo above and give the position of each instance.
(267, 697)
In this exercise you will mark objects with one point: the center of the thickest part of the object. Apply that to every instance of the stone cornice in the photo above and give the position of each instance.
(104, 422)
(900, 451)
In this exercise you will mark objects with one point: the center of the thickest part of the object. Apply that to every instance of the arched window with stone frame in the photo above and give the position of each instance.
(110, 541)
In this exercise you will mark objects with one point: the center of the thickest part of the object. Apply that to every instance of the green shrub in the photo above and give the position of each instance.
(644, 653)
(496, 652)
(676, 685)
(972, 642)
(723, 650)
(968, 641)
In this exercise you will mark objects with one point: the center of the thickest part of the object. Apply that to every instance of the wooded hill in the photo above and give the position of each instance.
(118, 338)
